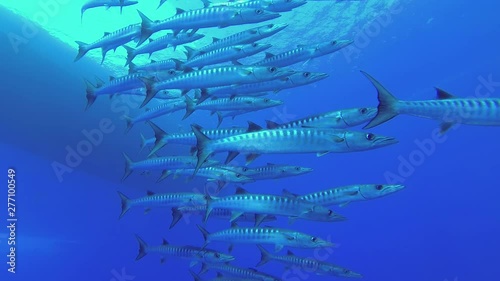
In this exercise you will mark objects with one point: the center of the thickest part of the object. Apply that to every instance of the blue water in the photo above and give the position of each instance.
(443, 226)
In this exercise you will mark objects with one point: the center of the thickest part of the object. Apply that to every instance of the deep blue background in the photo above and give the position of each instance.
(444, 225)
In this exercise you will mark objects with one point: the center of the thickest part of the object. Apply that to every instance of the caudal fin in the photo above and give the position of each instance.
(265, 256)
(91, 97)
(83, 48)
(176, 217)
(387, 107)
(150, 90)
(196, 277)
(190, 107)
(205, 234)
(202, 144)
(130, 123)
(145, 28)
(130, 54)
(190, 52)
(128, 166)
(160, 137)
(161, 3)
(142, 248)
(125, 204)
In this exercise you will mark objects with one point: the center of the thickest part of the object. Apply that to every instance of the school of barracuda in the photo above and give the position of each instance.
(212, 78)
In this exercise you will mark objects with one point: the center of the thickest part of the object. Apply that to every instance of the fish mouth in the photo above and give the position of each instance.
(306, 170)
(344, 43)
(384, 141)
(393, 188)
(273, 16)
(319, 76)
(279, 27)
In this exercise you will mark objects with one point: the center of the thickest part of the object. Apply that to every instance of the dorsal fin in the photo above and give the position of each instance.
(153, 61)
(252, 127)
(301, 46)
(111, 78)
(150, 193)
(215, 39)
(164, 242)
(107, 33)
(219, 275)
(240, 190)
(443, 95)
(289, 253)
(288, 194)
(269, 55)
(179, 11)
(271, 124)
(234, 224)
(151, 40)
(271, 164)
(197, 126)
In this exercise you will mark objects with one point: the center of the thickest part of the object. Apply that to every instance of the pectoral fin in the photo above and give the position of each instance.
(444, 127)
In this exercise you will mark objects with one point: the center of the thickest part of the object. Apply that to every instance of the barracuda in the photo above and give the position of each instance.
(160, 43)
(268, 5)
(303, 53)
(162, 95)
(321, 268)
(295, 80)
(346, 194)
(248, 36)
(245, 104)
(213, 77)
(200, 18)
(162, 137)
(221, 176)
(200, 210)
(154, 66)
(106, 3)
(339, 119)
(250, 273)
(265, 204)
(195, 254)
(280, 141)
(128, 84)
(162, 163)
(157, 111)
(265, 235)
(162, 200)
(447, 109)
(231, 53)
(270, 171)
(110, 41)
(221, 277)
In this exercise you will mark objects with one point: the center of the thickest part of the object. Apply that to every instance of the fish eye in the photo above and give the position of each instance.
(254, 45)
(363, 110)
(306, 74)
(379, 187)
(244, 169)
(370, 136)
(238, 175)
(313, 239)
(272, 69)
(297, 168)
(347, 271)
(270, 25)
(259, 11)
(334, 42)
(330, 212)
(266, 100)
(217, 255)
